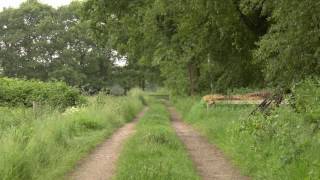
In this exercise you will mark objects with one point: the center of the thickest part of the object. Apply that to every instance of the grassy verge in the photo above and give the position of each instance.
(281, 146)
(49, 145)
(155, 152)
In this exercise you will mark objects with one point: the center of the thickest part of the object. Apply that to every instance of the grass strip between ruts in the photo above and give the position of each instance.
(155, 152)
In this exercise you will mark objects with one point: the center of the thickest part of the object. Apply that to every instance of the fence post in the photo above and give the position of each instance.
(34, 108)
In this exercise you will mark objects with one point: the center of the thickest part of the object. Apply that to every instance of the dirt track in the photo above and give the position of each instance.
(101, 163)
(209, 161)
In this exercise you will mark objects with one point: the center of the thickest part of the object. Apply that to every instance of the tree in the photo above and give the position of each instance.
(39, 42)
(179, 37)
(23, 42)
(290, 51)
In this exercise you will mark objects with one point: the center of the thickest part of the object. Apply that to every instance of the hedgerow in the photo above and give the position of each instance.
(17, 92)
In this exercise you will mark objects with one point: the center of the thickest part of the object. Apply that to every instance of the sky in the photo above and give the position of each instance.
(16, 3)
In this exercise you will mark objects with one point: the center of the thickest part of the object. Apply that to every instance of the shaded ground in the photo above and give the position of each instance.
(101, 163)
(209, 161)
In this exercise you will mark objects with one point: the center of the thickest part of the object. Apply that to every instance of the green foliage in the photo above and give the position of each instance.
(50, 145)
(306, 99)
(183, 39)
(290, 49)
(15, 92)
(283, 145)
(287, 141)
(204, 46)
(40, 42)
(117, 90)
(155, 152)
(138, 93)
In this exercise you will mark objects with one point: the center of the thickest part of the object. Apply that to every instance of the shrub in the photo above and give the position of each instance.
(117, 90)
(307, 99)
(135, 92)
(139, 93)
(17, 92)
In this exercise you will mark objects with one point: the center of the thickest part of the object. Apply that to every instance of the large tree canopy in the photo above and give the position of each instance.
(196, 46)
(204, 45)
(290, 50)
(40, 42)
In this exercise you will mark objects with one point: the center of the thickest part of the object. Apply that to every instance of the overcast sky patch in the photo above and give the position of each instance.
(16, 3)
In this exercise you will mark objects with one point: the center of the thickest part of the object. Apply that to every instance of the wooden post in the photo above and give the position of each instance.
(35, 108)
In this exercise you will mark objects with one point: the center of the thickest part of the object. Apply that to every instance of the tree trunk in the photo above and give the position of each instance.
(142, 82)
(193, 77)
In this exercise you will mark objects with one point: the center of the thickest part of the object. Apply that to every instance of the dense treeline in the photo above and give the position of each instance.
(196, 46)
(41, 42)
(205, 45)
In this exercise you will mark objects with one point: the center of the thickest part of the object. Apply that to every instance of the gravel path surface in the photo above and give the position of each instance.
(101, 163)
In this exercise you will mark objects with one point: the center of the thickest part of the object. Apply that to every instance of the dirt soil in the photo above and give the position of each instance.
(208, 159)
(101, 163)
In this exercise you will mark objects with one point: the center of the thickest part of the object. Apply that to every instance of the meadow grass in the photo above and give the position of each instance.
(281, 146)
(49, 144)
(155, 151)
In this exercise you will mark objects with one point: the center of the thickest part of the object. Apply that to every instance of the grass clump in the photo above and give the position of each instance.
(155, 152)
(49, 145)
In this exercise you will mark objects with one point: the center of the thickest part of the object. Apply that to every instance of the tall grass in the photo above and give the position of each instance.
(48, 145)
(155, 152)
(281, 146)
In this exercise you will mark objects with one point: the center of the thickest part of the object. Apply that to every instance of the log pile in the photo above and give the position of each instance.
(256, 96)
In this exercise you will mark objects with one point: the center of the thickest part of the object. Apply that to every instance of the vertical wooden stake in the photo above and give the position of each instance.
(34, 108)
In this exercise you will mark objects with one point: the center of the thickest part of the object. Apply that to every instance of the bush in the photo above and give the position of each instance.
(117, 90)
(16, 92)
(139, 93)
(135, 92)
(307, 99)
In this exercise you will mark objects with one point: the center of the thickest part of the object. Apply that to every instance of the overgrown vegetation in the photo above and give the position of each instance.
(189, 47)
(155, 152)
(283, 145)
(15, 92)
(48, 145)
